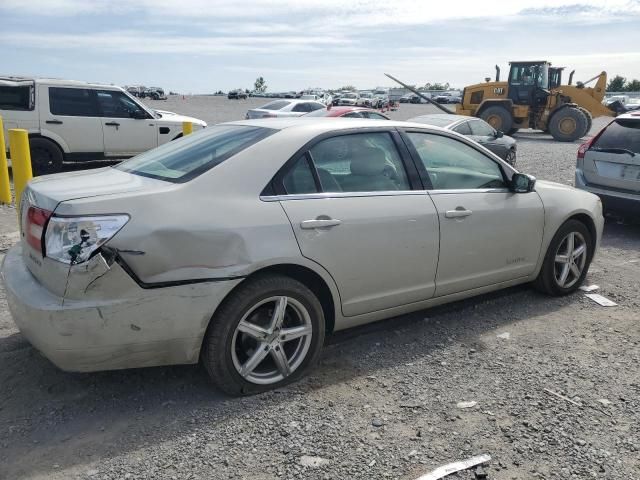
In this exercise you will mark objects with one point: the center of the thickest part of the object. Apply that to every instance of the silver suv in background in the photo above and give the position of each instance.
(609, 165)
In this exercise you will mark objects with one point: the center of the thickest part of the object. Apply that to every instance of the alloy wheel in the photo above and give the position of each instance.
(271, 340)
(570, 260)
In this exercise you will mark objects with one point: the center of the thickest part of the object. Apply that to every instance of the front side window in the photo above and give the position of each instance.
(74, 102)
(452, 164)
(374, 116)
(184, 159)
(117, 104)
(277, 105)
(352, 115)
(481, 128)
(15, 98)
(362, 162)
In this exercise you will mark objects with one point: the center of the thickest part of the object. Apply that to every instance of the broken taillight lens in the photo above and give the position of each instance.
(36, 222)
(73, 239)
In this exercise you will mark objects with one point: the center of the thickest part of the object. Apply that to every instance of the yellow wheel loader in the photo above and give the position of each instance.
(533, 97)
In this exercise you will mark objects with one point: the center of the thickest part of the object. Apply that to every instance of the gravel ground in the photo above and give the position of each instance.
(385, 400)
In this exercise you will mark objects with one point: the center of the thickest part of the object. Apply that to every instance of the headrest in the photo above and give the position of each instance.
(368, 161)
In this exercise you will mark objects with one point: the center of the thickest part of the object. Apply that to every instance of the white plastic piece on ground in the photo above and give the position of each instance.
(600, 300)
(504, 336)
(470, 404)
(589, 288)
(454, 467)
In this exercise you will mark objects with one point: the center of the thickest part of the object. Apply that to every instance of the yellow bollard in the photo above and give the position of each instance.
(187, 128)
(5, 187)
(20, 161)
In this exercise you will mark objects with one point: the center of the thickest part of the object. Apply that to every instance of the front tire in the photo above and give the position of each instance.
(498, 117)
(268, 333)
(567, 260)
(46, 156)
(568, 124)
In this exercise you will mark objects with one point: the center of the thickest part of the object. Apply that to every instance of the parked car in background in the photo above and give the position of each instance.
(608, 165)
(365, 99)
(476, 129)
(238, 94)
(76, 121)
(154, 93)
(295, 211)
(406, 98)
(447, 97)
(348, 112)
(349, 98)
(285, 108)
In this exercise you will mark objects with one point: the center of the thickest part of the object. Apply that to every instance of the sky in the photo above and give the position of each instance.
(201, 46)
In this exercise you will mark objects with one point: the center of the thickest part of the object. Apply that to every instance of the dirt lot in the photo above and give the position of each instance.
(383, 402)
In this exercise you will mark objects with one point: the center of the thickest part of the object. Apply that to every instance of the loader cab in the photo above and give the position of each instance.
(529, 83)
(555, 77)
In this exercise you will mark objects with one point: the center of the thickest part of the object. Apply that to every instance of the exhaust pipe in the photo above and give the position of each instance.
(497, 73)
(571, 76)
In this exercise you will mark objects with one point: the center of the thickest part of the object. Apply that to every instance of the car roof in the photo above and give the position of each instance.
(635, 115)
(57, 81)
(327, 124)
(440, 117)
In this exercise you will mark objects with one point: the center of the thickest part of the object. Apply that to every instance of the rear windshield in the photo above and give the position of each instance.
(320, 112)
(184, 159)
(277, 105)
(621, 134)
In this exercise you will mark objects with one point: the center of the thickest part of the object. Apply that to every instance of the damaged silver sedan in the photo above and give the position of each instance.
(244, 244)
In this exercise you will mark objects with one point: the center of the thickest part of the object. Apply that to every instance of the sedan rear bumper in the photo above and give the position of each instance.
(101, 331)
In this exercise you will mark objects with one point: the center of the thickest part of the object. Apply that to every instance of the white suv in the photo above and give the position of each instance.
(77, 121)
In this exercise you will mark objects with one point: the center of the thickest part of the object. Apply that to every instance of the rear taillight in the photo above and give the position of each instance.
(582, 150)
(36, 222)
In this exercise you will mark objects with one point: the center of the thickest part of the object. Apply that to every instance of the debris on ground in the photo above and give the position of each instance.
(470, 404)
(455, 467)
(504, 336)
(600, 300)
(589, 288)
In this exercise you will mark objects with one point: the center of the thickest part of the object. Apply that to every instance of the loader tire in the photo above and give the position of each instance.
(587, 114)
(568, 124)
(498, 117)
(512, 131)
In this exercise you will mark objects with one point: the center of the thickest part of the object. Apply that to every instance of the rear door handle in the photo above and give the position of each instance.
(320, 223)
(112, 124)
(54, 122)
(459, 212)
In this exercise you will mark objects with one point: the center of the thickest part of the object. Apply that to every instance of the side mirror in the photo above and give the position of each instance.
(139, 114)
(499, 134)
(522, 183)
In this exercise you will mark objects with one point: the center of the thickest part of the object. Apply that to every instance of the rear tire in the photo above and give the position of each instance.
(244, 349)
(568, 124)
(563, 270)
(498, 117)
(46, 156)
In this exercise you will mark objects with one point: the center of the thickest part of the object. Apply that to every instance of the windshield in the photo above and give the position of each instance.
(435, 121)
(184, 159)
(321, 112)
(621, 134)
(349, 95)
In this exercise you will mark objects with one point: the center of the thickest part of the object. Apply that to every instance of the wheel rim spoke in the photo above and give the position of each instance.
(564, 275)
(578, 251)
(254, 360)
(570, 243)
(562, 258)
(575, 270)
(253, 330)
(278, 313)
(288, 334)
(280, 358)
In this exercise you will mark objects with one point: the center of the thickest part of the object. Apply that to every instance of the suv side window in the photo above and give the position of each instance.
(15, 98)
(117, 104)
(74, 102)
(452, 164)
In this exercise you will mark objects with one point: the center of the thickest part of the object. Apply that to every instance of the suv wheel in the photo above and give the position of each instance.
(46, 156)
(567, 260)
(266, 334)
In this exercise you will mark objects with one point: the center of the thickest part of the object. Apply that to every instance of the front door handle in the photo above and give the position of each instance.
(54, 122)
(112, 124)
(459, 212)
(320, 223)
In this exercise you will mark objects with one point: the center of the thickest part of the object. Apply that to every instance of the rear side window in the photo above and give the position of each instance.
(463, 129)
(184, 159)
(75, 102)
(277, 105)
(480, 128)
(621, 134)
(15, 98)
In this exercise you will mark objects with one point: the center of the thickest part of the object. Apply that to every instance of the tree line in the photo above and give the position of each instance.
(621, 84)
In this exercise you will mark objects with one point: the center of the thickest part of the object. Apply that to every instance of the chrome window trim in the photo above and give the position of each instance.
(385, 193)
